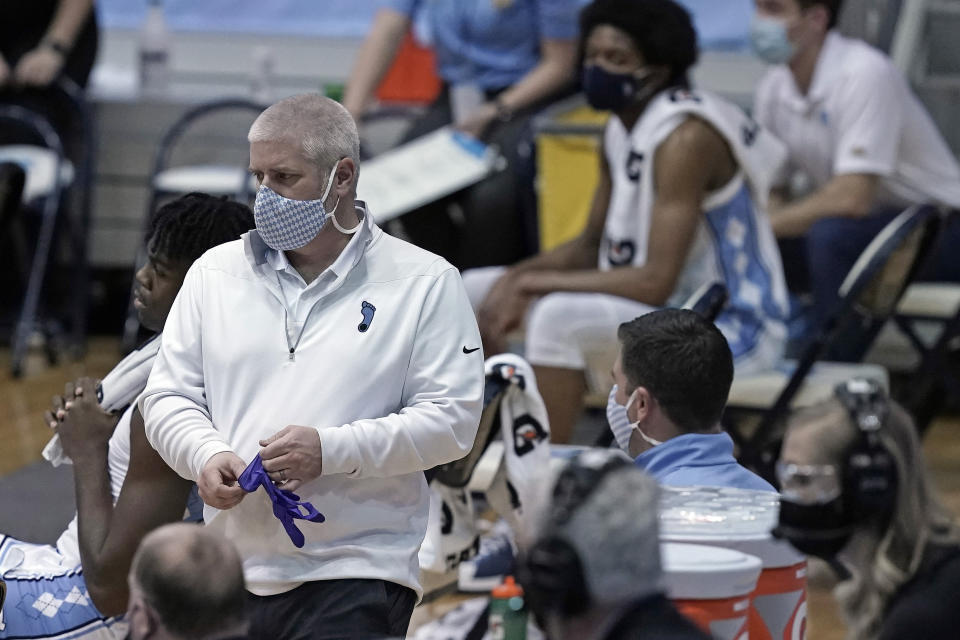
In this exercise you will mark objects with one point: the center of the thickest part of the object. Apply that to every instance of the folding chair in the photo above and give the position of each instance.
(232, 180)
(48, 175)
(937, 305)
(868, 298)
(3, 596)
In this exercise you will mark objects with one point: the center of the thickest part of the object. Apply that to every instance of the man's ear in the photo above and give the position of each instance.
(818, 14)
(643, 403)
(343, 184)
(149, 622)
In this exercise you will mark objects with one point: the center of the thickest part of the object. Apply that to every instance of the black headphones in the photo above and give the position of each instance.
(869, 470)
(550, 570)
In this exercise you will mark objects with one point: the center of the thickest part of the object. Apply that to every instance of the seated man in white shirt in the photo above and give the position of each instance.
(684, 177)
(343, 360)
(856, 132)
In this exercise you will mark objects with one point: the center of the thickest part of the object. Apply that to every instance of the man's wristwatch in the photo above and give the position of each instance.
(55, 45)
(504, 113)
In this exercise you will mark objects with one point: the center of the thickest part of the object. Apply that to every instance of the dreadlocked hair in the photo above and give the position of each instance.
(183, 230)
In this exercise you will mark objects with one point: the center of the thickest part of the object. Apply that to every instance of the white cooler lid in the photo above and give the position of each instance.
(738, 519)
(699, 572)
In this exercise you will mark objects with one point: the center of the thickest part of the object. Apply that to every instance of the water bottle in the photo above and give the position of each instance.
(508, 616)
(154, 52)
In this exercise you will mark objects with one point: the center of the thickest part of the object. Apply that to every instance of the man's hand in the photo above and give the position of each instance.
(292, 456)
(501, 311)
(84, 426)
(476, 123)
(217, 485)
(39, 67)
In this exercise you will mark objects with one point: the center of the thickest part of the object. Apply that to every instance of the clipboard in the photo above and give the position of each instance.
(423, 171)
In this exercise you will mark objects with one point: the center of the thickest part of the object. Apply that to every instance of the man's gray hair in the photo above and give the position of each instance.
(323, 127)
(615, 533)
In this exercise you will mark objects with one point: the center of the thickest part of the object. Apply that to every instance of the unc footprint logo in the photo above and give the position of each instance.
(366, 310)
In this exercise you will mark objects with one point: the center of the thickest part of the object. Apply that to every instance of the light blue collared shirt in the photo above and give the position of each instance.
(699, 459)
(491, 44)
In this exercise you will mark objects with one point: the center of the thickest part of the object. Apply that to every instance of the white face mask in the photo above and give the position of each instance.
(620, 422)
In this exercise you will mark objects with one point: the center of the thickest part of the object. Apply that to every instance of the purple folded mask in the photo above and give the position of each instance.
(287, 505)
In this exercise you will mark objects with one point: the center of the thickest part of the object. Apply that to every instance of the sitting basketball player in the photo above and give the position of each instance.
(49, 592)
(683, 182)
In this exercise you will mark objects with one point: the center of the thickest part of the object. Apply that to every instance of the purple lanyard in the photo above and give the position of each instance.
(286, 504)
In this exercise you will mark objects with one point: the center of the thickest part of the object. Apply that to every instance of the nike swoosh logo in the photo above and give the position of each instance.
(465, 350)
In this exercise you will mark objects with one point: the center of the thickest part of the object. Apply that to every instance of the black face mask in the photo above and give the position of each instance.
(606, 91)
(820, 530)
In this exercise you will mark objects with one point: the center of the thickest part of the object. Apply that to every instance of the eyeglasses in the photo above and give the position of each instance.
(809, 483)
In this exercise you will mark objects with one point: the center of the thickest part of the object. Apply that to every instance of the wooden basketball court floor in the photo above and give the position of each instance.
(23, 435)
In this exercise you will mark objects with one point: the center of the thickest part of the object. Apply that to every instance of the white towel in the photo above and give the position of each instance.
(119, 388)
(525, 431)
(514, 467)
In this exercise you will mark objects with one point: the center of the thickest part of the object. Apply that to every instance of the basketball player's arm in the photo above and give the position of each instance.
(685, 164)
(152, 495)
(505, 305)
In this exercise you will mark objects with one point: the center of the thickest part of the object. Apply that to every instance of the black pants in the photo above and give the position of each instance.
(333, 610)
(494, 222)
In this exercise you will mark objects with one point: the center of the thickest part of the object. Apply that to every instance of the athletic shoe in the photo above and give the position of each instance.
(495, 560)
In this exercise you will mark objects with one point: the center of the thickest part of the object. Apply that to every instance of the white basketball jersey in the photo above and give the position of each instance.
(734, 243)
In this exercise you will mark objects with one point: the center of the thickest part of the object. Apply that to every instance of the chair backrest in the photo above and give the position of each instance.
(886, 267)
(457, 473)
(39, 126)
(172, 136)
(709, 300)
(868, 298)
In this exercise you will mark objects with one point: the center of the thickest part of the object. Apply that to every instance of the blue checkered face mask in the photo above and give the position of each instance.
(286, 224)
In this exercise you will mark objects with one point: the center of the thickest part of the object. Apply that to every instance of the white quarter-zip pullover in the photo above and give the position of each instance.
(390, 396)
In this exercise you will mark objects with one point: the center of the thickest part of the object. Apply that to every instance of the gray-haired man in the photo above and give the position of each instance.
(366, 340)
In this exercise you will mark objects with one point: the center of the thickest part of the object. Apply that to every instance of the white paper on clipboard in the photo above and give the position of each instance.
(423, 171)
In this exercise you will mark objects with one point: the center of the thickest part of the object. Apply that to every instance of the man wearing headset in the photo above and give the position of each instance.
(593, 569)
(855, 492)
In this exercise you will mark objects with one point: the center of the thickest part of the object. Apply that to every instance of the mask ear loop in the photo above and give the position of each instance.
(333, 212)
(333, 217)
(635, 426)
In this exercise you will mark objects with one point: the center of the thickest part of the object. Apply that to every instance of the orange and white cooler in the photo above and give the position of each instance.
(742, 520)
(712, 586)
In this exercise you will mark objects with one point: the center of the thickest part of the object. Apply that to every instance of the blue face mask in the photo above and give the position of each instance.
(607, 91)
(286, 224)
(770, 40)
